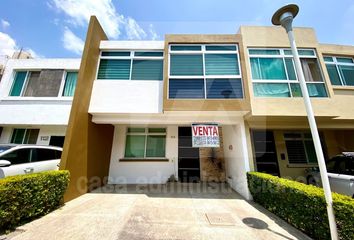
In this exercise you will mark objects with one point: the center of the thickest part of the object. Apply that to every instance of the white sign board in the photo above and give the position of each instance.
(205, 135)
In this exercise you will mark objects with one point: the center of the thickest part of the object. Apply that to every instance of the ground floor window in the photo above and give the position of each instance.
(24, 136)
(145, 143)
(300, 148)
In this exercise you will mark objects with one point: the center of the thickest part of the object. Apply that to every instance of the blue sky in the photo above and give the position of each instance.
(57, 28)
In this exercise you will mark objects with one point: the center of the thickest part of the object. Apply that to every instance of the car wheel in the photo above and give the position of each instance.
(311, 180)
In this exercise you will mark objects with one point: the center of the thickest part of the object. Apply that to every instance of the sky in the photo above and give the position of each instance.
(57, 28)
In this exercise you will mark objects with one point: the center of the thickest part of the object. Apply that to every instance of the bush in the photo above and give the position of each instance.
(301, 205)
(25, 197)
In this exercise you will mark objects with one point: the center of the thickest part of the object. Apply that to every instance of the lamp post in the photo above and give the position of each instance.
(284, 17)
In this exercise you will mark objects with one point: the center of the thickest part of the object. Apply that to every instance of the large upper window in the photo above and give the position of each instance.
(204, 71)
(145, 143)
(43, 83)
(340, 70)
(130, 65)
(273, 73)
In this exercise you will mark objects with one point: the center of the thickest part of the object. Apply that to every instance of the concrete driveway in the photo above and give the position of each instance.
(173, 211)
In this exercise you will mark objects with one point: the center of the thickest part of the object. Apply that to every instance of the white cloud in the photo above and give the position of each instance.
(7, 44)
(152, 32)
(114, 24)
(5, 24)
(72, 42)
(80, 11)
(133, 30)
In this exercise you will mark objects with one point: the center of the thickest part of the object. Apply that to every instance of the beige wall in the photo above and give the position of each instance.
(87, 146)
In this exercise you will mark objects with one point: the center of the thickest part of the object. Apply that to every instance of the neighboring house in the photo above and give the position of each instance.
(35, 100)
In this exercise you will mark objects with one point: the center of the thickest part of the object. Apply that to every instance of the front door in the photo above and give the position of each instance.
(188, 157)
(265, 152)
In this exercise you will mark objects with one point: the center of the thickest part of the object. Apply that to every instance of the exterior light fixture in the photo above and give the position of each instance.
(284, 17)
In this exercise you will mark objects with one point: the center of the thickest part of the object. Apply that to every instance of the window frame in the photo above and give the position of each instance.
(303, 139)
(131, 57)
(203, 51)
(24, 135)
(337, 64)
(282, 55)
(146, 134)
(25, 83)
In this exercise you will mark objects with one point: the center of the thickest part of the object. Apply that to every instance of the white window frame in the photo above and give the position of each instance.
(25, 83)
(146, 134)
(203, 51)
(283, 56)
(336, 63)
(303, 138)
(131, 57)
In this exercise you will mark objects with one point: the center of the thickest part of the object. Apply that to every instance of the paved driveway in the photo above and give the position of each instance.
(174, 211)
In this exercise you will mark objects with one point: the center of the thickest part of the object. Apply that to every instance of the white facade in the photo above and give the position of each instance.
(49, 114)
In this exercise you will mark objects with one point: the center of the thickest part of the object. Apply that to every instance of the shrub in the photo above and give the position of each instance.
(25, 197)
(301, 205)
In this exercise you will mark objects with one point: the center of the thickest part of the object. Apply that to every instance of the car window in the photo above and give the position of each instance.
(42, 154)
(331, 164)
(350, 166)
(18, 156)
(341, 166)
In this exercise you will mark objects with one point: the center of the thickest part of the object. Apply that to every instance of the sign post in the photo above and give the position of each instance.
(205, 135)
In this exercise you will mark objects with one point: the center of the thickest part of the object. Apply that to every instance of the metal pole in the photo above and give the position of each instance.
(315, 136)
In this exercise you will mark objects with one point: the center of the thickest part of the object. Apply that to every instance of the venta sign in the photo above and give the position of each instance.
(205, 135)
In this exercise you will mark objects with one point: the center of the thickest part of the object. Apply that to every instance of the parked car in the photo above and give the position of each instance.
(340, 173)
(24, 159)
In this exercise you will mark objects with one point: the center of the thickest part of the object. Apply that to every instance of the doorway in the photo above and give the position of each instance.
(265, 152)
(188, 157)
(57, 141)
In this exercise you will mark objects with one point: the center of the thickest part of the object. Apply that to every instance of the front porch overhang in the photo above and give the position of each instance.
(170, 117)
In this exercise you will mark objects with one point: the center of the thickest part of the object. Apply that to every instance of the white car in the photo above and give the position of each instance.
(340, 173)
(25, 159)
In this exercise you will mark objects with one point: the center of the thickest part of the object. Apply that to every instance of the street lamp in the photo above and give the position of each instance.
(284, 17)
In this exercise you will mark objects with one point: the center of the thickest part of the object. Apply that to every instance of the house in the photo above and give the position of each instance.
(35, 100)
(139, 106)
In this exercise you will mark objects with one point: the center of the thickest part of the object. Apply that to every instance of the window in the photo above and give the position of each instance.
(340, 70)
(204, 72)
(24, 136)
(145, 143)
(300, 148)
(70, 84)
(43, 154)
(274, 75)
(19, 156)
(131, 65)
(43, 83)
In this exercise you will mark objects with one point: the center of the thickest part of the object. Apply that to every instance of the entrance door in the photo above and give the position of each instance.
(188, 157)
(57, 141)
(265, 152)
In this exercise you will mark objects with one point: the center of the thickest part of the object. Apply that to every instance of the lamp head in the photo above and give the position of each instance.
(285, 15)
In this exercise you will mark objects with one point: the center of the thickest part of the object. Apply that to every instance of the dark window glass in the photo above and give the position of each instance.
(18, 156)
(148, 54)
(186, 88)
(43, 154)
(115, 69)
(224, 88)
(116, 54)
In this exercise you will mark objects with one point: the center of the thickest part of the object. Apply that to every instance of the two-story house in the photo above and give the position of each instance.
(35, 100)
(135, 102)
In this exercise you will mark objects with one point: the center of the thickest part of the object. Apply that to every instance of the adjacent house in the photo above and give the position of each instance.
(35, 100)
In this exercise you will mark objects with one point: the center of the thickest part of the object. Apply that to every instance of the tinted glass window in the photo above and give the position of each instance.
(331, 165)
(44, 154)
(18, 156)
